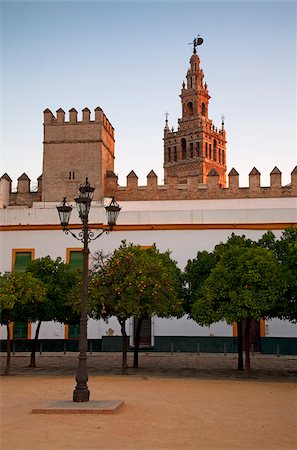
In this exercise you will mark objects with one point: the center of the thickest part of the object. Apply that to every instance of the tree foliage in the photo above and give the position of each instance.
(136, 282)
(285, 250)
(196, 272)
(245, 284)
(20, 297)
(59, 279)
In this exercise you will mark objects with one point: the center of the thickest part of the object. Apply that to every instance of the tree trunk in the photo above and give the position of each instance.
(239, 345)
(7, 367)
(124, 347)
(34, 346)
(247, 345)
(137, 342)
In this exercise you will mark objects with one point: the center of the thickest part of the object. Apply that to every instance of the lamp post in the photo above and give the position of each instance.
(86, 235)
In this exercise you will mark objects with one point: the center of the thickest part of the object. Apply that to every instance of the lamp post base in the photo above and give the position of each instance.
(81, 395)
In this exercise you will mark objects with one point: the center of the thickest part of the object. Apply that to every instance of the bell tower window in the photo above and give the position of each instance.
(215, 150)
(190, 112)
(191, 150)
(184, 148)
(198, 149)
(203, 109)
(169, 154)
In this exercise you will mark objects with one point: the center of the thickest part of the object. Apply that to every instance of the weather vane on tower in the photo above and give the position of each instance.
(197, 41)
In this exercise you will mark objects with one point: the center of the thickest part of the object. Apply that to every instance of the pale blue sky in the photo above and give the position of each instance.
(130, 58)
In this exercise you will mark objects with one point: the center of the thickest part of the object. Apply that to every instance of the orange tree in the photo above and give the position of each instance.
(59, 279)
(285, 250)
(245, 284)
(196, 273)
(20, 295)
(136, 282)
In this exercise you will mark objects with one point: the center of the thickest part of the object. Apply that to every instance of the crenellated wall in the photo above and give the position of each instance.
(23, 196)
(193, 189)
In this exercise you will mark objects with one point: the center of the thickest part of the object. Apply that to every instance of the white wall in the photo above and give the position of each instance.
(183, 244)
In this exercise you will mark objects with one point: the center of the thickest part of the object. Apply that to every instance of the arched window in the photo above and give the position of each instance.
(215, 149)
(206, 149)
(175, 154)
(223, 157)
(190, 112)
(210, 151)
(169, 154)
(184, 148)
(203, 109)
(220, 156)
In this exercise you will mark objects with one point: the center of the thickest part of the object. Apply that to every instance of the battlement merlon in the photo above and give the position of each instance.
(59, 119)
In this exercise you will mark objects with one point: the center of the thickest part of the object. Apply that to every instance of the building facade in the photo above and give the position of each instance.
(193, 210)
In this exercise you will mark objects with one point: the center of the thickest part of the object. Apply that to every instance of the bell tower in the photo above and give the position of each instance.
(197, 146)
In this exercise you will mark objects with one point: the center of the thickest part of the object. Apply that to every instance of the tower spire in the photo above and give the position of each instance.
(166, 121)
(197, 146)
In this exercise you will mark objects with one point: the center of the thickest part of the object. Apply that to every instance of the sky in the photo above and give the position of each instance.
(130, 58)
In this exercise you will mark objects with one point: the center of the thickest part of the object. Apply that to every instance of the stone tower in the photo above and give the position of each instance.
(197, 146)
(74, 150)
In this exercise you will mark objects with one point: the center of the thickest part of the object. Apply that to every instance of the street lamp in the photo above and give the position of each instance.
(86, 235)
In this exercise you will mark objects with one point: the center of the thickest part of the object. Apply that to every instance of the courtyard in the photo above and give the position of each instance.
(173, 401)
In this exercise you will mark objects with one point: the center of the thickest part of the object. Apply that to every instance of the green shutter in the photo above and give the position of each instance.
(76, 259)
(20, 330)
(22, 260)
(74, 331)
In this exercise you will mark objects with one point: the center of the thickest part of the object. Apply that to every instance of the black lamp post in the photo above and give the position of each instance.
(83, 204)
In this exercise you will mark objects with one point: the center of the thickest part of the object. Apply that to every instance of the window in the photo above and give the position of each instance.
(223, 157)
(184, 148)
(169, 154)
(74, 257)
(21, 258)
(203, 109)
(206, 149)
(20, 330)
(73, 331)
(175, 153)
(190, 109)
(198, 149)
(215, 150)
(191, 150)
(71, 175)
(210, 154)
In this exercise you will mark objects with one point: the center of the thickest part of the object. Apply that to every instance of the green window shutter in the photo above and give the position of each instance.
(22, 260)
(76, 259)
(74, 331)
(20, 330)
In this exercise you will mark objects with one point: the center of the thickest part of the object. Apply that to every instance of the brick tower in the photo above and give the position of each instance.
(74, 150)
(197, 146)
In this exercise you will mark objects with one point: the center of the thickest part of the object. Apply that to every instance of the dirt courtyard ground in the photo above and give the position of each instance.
(159, 413)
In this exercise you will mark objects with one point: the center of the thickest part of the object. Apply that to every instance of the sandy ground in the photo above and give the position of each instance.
(159, 413)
